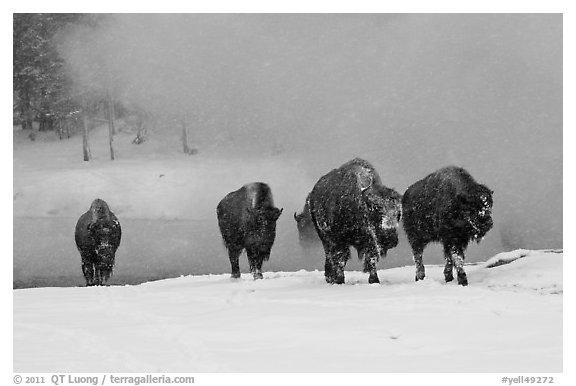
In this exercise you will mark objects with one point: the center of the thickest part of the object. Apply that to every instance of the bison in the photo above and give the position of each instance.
(247, 220)
(350, 207)
(450, 207)
(97, 236)
(306, 232)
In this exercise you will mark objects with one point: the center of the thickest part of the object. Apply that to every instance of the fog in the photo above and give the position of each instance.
(409, 93)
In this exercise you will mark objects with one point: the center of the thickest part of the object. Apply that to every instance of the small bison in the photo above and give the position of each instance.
(247, 220)
(306, 232)
(97, 236)
(449, 207)
(350, 207)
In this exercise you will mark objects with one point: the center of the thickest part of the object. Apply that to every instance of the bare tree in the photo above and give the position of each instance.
(111, 124)
(185, 146)
(85, 145)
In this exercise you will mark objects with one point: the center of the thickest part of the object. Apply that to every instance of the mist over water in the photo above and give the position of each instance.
(410, 93)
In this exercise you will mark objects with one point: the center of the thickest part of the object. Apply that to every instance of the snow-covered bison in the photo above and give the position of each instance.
(97, 235)
(247, 220)
(306, 232)
(450, 207)
(350, 207)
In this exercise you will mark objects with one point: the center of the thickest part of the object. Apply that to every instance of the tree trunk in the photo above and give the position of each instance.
(46, 122)
(111, 129)
(26, 112)
(45, 118)
(85, 145)
(111, 142)
(112, 113)
(185, 146)
(60, 129)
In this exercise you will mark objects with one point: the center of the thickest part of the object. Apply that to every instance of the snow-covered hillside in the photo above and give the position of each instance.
(509, 319)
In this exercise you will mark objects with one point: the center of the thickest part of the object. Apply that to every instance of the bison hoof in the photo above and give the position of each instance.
(448, 277)
(462, 279)
(235, 275)
(420, 276)
(258, 275)
(335, 279)
(373, 279)
(339, 280)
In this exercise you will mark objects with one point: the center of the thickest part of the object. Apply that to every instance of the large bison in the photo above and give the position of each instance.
(350, 207)
(247, 220)
(306, 232)
(97, 235)
(449, 207)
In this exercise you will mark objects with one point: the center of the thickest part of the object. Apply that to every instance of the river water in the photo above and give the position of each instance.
(45, 253)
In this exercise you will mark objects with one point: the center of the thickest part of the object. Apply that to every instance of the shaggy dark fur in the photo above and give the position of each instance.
(247, 220)
(306, 232)
(350, 207)
(449, 207)
(97, 236)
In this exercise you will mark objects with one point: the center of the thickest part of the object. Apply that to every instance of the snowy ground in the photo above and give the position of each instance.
(509, 319)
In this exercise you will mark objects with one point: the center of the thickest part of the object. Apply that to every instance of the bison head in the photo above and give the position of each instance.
(264, 218)
(298, 217)
(477, 209)
(261, 228)
(302, 222)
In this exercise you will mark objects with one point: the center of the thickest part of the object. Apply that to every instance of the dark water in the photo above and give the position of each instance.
(45, 254)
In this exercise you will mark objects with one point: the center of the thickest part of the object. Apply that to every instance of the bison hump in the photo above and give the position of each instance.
(258, 195)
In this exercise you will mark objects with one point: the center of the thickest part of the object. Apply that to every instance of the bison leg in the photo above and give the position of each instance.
(259, 269)
(458, 261)
(328, 265)
(234, 256)
(417, 255)
(341, 258)
(449, 267)
(88, 271)
(328, 271)
(337, 259)
(104, 273)
(97, 275)
(370, 267)
(255, 261)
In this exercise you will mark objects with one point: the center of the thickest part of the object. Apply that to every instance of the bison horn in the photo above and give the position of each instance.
(277, 213)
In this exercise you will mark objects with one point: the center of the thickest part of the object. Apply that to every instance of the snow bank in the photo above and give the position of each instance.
(531, 268)
(509, 319)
